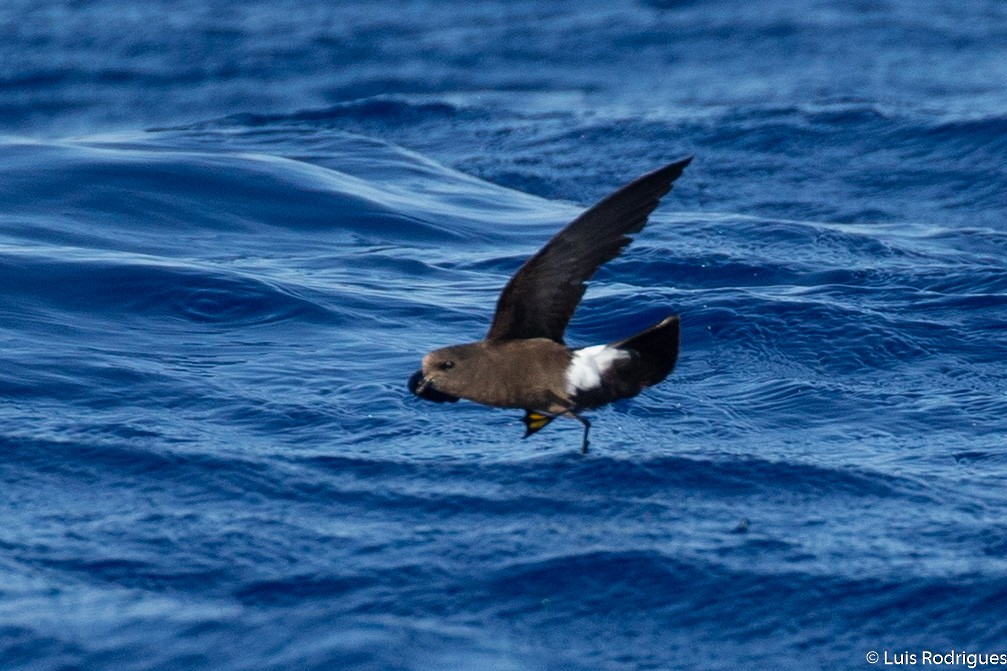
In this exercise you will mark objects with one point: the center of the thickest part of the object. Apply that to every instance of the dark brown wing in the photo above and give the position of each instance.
(541, 297)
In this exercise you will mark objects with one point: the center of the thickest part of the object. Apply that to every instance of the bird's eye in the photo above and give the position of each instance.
(447, 365)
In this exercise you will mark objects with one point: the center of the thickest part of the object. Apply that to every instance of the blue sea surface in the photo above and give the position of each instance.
(229, 231)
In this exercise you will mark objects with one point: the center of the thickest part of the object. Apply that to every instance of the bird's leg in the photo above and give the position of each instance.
(587, 427)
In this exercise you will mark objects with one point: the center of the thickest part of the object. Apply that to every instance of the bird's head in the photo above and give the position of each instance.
(446, 373)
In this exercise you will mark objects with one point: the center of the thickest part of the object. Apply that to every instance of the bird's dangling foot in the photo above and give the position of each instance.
(587, 427)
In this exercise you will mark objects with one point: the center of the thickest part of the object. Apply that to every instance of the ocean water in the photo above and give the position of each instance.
(229, 231)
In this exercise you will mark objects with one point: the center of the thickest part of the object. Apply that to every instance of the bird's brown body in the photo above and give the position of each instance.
(498, 374)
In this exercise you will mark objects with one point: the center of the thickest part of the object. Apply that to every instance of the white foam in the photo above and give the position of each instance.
(588, 365)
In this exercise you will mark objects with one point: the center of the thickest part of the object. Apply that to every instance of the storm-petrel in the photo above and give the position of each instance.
(523, 362)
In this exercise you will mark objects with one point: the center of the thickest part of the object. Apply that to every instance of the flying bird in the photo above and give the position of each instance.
(523, 362)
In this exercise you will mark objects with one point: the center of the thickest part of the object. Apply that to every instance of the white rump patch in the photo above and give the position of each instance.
(589, 364)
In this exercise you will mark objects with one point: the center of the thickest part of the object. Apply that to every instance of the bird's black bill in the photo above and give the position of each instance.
(420, 386)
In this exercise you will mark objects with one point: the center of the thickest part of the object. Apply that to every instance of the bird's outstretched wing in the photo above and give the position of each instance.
(540, 299)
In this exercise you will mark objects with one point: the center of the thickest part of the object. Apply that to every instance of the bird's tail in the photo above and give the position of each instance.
(656, 349)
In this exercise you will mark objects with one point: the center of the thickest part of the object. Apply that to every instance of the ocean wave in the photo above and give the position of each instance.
(147, 194)
(120, 290)
(378, 109)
